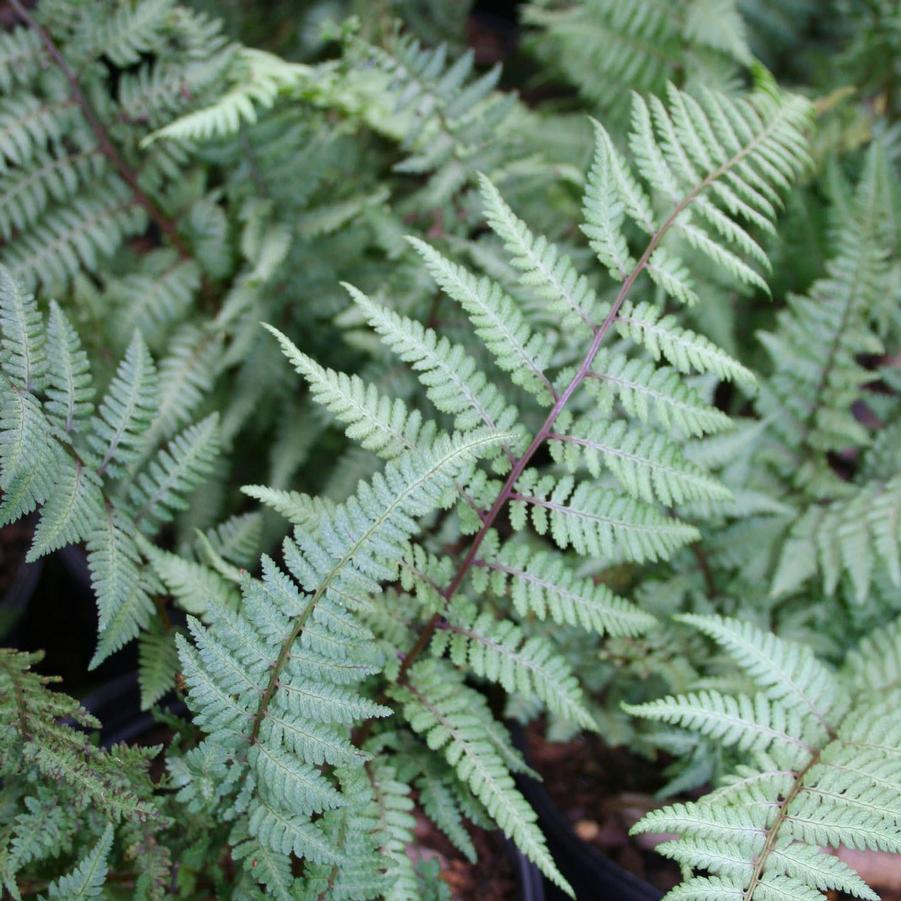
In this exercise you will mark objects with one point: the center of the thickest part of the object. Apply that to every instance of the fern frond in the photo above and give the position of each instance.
(496, 320)
(610, 192)
(282, 672)
(78, 235)
(126, 409)
(237, 539)
(449, 120)
(647, 465)
(543, 584)
(124, 606)
(497, 650)
(22, 343)
(815, 781)
(89, 875)
(750, 723)
(186, 376)
(257, 80)
(70, 390)
(28, 462)
(128, 33)
(157, 294)
(380, 424)
(157, 665)
(441, 807)
(605, 49)
(453, 381)
(685, 350)
(299, 509)
(821, 337)
(194, 587)
(175, 471)
(38, 746)
(21, 54)
(790, 674)
(849, 535)
(71, 512)
(647, 391)
(54, 178)
(395, 831)
(542, 266)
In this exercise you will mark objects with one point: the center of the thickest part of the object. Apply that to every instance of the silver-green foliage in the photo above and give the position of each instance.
(822, 769)
(89, 469)
(73, 183)
(372, 599)
(606, 48)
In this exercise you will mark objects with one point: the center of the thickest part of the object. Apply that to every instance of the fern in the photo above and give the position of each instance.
(73, 202)
(454, 116)
(640, 46)
(854, 535)
(87, 879)
(294, 702)
(91, 472)
(816, 774)
(258, 78)
(452, 719)
(39, 751)
(843, 317)
(249, 672)
(499, 652)
(504, 467)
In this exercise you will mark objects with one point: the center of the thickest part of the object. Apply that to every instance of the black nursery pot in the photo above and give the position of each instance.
(530, 884)
(118, 707)
(59, 618)
(593, 876)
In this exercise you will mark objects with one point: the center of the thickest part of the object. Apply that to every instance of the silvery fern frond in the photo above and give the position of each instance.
(822, 769)
(95, 473)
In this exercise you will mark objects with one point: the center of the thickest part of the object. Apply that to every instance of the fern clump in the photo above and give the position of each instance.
(63, 795)
(558, 376)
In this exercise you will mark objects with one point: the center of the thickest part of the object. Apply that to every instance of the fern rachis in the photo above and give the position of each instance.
(585, 366)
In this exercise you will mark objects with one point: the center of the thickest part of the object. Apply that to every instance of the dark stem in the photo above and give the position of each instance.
(772, 833)
(584, 369)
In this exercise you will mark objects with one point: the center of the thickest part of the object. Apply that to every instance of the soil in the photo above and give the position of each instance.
(490, 878)
(603, 791)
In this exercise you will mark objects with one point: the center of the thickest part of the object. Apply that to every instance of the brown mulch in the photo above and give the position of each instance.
(490, 878)
(602, 792)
